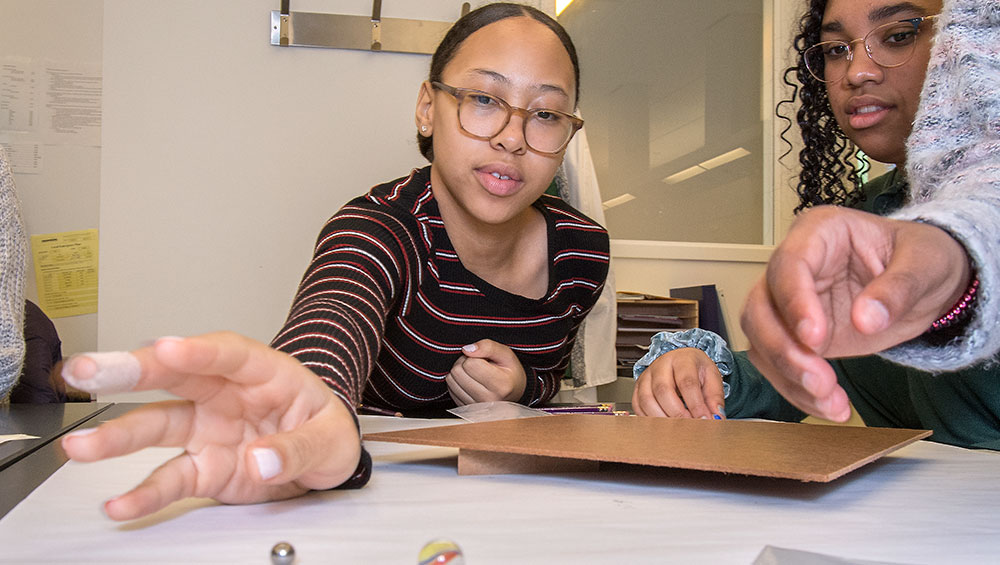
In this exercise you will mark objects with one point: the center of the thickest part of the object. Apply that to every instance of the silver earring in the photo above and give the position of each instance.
(423, 128)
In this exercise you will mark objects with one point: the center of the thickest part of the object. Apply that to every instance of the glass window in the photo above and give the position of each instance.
(671, 95)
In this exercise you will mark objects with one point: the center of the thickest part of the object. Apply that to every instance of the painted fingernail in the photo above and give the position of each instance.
(716, 417)
(114, 371)
(470, 348)
(268, 462)
(83, 432)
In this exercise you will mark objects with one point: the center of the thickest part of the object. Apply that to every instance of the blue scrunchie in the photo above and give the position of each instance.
(710, 342)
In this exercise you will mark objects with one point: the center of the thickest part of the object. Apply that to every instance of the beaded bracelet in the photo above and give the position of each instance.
(961, 311)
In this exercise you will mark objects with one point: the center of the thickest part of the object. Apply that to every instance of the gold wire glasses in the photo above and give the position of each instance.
(483, 116)
(889, 46)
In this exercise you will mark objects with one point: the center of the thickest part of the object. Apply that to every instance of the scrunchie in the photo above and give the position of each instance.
(710, 342)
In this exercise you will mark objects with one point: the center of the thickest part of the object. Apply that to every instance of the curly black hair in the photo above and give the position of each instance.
(828, 158)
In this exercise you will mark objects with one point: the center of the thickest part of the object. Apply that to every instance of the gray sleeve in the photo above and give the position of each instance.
(12, 265)
(954, 169)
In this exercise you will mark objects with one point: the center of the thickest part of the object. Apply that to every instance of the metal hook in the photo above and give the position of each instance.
(307, 29)
(376, 25)
(283, 23)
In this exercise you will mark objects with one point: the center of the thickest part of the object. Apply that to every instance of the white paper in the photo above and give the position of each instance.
(25, 158)
(72, 112)
(19, 94)
(15, 437)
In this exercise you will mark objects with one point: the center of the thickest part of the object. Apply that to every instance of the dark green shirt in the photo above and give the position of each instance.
(962, 408)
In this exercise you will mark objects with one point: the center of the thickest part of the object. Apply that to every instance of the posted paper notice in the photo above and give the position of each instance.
(66, 272)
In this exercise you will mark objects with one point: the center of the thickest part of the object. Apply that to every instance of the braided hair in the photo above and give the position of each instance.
(828, 158)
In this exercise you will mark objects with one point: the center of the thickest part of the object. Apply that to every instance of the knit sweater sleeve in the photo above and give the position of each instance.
(13, 259)
(359, 269)
(954, 170)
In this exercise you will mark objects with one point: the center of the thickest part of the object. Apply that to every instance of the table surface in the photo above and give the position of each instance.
(38, 458)
(47, 421)
(927, 503)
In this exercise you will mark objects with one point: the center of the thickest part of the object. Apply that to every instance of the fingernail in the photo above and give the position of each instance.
(877, 315)
(720, 410)
(83, 432)
(114, 371)
(470, 348)
(809, 383)
(268, 462)
(716, 417)
(824, 405)
(154, 341)
(803, 329)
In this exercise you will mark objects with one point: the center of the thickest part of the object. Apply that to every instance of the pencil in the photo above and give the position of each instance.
(605, 408)
(376, 411)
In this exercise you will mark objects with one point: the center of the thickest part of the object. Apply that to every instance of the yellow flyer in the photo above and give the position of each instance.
(66, 272)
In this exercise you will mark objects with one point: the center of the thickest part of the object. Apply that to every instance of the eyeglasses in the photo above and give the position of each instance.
(889, 46)
(483, 116)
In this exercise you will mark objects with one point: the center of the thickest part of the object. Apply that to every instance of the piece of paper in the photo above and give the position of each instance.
(73, 104)
(66, 272)
(25, 158)
(56, 101)
(497, 410)
(19, 94)
(771, 555)
(15, 437)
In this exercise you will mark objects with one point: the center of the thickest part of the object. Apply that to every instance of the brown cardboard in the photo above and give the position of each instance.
(805, 452)
(477, 462)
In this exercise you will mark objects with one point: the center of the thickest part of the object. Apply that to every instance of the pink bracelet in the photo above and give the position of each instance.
(961, 311)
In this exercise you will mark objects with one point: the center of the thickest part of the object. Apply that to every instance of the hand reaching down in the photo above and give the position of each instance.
(254, 423)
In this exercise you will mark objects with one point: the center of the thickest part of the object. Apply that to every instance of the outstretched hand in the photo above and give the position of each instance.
(487, 371)
(846, 283)
(254, 423)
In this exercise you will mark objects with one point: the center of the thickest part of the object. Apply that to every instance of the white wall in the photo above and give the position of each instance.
(222, 156)
(64, 194)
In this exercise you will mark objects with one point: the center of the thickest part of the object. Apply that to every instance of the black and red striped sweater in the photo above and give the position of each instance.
(386, 305)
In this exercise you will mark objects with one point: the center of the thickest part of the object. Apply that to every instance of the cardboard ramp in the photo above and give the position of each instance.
(577, 442)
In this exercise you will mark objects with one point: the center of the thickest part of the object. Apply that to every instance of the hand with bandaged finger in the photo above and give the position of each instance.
(255, 424)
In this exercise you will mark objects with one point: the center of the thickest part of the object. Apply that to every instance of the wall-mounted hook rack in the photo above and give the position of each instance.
(339, 31)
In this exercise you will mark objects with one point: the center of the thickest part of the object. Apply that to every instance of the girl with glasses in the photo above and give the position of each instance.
(457, 283)
(858, 82)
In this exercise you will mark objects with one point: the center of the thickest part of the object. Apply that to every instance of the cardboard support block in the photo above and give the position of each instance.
(478, 462)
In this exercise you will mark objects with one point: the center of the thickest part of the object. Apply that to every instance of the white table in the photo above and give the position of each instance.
(928, 503)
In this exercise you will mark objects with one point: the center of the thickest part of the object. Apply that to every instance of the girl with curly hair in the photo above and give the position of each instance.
(849, 102)
(858, 79)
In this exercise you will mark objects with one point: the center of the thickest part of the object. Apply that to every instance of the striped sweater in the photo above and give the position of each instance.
(386, 305)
